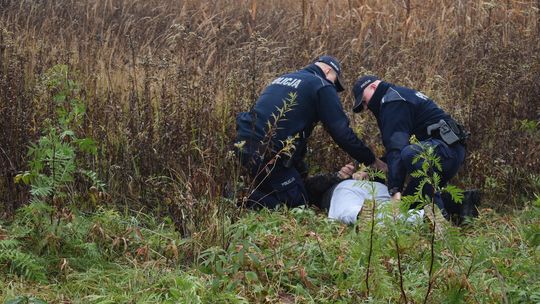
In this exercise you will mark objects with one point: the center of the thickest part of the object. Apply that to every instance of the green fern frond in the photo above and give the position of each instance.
(21, 263)
(417, 174)
(436, 180)
(42, 191)
(437, 162)
(455, 192)
(93, 177)
(8, 244)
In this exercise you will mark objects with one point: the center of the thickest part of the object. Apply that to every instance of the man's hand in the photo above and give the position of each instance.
(379, 165)
(346, 171)
(360, 175)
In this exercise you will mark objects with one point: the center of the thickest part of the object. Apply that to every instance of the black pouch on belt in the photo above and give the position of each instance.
(449, 131)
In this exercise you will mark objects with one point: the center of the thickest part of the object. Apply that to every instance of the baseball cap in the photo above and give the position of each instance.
(334, 63)
(358, 90)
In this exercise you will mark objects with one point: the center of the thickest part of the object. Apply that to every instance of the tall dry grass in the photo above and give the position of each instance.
(163, 81)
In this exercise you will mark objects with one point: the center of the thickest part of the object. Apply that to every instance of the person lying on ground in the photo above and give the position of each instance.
(344, 194)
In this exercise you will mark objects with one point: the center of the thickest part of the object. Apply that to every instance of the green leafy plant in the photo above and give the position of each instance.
(430, 179)
(25, 300)
(24, 264)
(53, 158)
(54, 175)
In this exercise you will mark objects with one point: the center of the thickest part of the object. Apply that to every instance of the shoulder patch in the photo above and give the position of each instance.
(392, 95)
(324, 83)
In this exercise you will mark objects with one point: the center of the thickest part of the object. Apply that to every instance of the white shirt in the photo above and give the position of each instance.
(349, 196)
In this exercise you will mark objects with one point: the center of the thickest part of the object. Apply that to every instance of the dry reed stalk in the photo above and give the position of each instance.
(204, 62)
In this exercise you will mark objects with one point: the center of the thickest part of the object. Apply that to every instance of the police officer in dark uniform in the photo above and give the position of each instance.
(400, 113)
(286, 112)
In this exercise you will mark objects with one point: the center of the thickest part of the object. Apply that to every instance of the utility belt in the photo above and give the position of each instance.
(448, 131)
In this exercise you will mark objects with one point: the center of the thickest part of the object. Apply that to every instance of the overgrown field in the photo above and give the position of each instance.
(116, 130)
(294, 256)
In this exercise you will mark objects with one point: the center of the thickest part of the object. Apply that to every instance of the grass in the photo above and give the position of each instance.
(298, 256)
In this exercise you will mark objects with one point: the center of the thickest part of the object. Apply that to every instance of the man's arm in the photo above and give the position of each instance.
(396, 125)
(336, 123)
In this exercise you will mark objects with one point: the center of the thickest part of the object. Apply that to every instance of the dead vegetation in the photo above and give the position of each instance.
(163, 80)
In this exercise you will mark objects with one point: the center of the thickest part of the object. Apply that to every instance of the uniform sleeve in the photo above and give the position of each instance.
(335, 121)
(396, 125)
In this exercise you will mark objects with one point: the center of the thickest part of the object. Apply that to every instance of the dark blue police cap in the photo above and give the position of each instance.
(334, 63)
(358, 91)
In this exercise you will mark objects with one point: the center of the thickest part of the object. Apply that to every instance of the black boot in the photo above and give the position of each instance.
(469, 205)
(467, 209)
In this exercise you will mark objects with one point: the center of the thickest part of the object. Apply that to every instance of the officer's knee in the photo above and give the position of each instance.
(408, 153)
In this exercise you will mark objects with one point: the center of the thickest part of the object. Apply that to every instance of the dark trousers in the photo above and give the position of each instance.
(451, 159)
(273, 184)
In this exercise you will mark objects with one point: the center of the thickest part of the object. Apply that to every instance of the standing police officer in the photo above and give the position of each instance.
(286, 112)
(400, 113)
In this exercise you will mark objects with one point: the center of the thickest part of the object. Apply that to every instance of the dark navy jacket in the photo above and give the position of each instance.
(315, 99)
(402, 112)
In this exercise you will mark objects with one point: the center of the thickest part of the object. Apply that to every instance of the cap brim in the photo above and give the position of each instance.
(358, 107)
(338, 85)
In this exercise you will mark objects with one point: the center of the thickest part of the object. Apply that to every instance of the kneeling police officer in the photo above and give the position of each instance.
(400, 113)
(287, 111)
